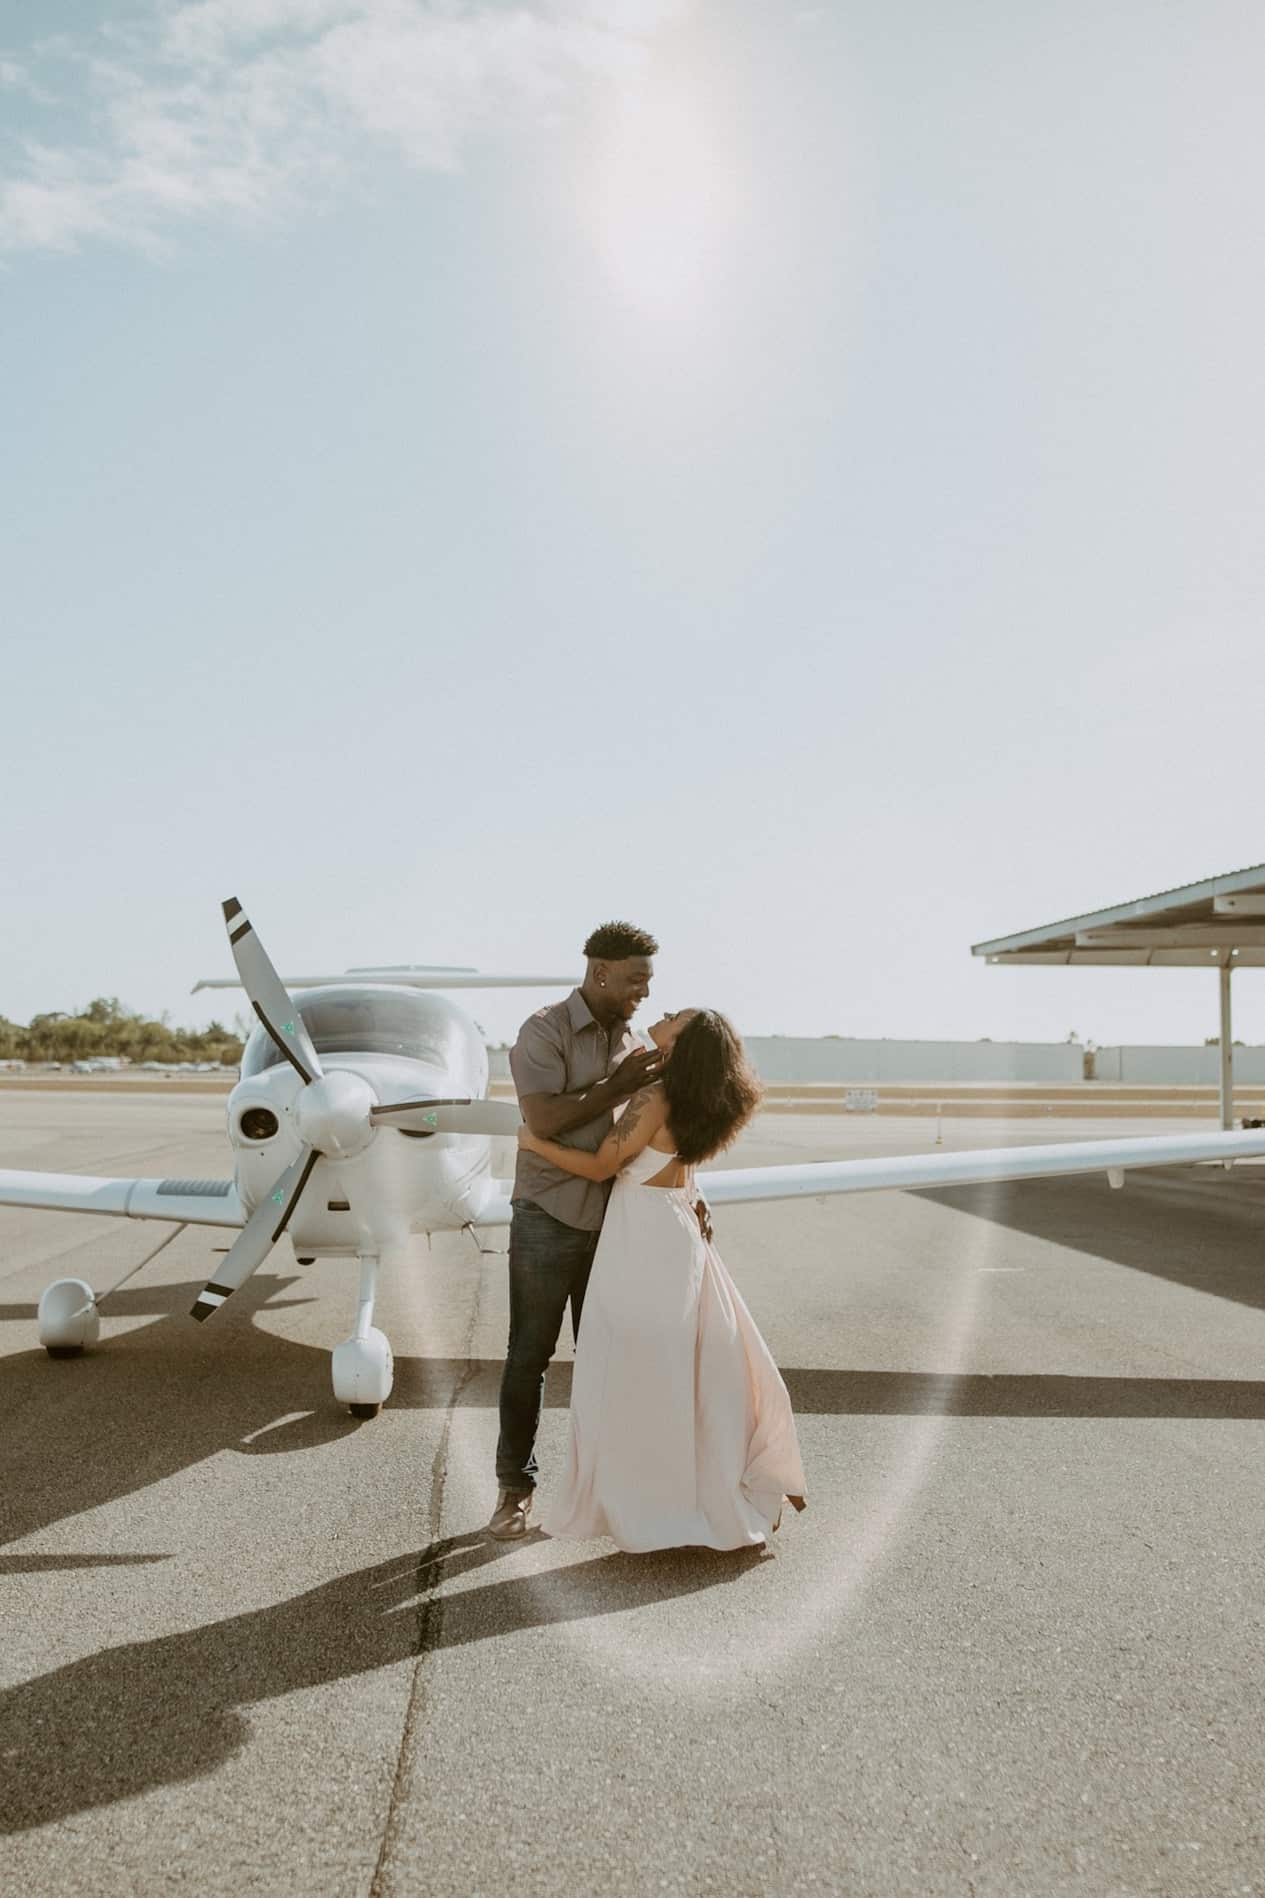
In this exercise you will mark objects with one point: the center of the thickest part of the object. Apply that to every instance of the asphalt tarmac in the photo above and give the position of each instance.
(1014, 1647)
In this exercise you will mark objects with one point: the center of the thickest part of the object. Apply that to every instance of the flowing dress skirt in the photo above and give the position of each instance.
(681, 1427)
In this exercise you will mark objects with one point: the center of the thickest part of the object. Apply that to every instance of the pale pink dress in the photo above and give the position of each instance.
(681, 1427)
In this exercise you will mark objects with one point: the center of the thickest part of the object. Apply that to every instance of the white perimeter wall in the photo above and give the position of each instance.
(802, 1058)
(796, 1058)
(791, 1058)
(1158, 1066)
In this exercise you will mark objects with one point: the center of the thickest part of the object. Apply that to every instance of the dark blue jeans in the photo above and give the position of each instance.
(549, 1266)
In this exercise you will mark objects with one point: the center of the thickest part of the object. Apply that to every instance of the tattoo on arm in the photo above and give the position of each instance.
(632, 1115)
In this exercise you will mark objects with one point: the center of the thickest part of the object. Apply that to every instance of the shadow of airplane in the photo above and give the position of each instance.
(162, 1397)
(1196, 1226)
(152, 1401)
(155, 1713)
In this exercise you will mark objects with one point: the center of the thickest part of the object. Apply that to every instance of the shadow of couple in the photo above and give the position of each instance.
(115, 1723)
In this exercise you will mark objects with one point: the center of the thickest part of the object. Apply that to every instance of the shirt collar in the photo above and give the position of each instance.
(579, 1013)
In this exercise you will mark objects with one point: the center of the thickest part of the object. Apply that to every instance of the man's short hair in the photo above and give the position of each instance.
(611, 942)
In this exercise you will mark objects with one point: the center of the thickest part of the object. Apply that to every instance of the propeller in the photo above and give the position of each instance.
(270, 1000)
(257, 1237)
(267, 994)
(451, 1117)
(335, 1113)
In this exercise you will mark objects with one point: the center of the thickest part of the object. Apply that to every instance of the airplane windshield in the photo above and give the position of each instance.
(357, 1021)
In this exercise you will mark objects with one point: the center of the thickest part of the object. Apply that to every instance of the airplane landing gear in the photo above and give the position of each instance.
(363, 1367)
(68, 1318)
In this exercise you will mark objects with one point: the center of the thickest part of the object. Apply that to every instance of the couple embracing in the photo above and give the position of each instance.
(681, 1431)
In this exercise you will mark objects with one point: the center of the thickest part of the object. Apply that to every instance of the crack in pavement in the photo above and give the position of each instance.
(430, 1613)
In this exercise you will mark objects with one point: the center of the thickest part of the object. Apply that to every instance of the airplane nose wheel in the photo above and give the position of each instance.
(363, 1368)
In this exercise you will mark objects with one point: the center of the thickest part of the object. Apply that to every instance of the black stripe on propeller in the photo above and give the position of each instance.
(268, 995)
(257, 1237)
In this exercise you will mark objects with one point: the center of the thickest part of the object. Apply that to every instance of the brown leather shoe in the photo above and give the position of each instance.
(509, 1518)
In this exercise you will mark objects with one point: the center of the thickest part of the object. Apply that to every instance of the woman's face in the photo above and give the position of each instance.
(665, 1031)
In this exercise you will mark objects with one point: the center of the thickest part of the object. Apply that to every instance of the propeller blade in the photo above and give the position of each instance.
(257, 1237)
(268, 995)
(451, 1117)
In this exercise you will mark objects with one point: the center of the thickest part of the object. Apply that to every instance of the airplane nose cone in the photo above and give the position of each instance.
(333, 1114)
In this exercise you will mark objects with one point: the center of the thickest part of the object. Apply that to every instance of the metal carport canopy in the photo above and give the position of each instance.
(1217, 924)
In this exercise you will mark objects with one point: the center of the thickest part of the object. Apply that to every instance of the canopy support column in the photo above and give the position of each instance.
(1226, 1049)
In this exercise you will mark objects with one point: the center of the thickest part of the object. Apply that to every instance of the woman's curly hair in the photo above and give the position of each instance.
(710, 1086)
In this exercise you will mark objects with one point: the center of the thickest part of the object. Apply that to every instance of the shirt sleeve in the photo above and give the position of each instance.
(537, 1062)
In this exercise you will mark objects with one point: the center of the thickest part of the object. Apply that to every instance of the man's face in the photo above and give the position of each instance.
(625, 984)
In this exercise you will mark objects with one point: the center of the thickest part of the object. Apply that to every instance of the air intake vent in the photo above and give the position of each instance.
(258, 1123)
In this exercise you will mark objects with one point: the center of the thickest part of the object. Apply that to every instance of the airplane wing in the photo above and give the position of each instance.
(189, 1202)
(215, 1202)
(906, 1172)
(403, 979)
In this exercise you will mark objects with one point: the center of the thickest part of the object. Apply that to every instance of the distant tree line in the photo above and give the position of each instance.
(105, 1027)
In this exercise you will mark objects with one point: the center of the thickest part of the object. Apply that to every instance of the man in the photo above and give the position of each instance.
(573, 1064)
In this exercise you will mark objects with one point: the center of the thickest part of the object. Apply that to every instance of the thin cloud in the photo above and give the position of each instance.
(17, 78)
(250, 109)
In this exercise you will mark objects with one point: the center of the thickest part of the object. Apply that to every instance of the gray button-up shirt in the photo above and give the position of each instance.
(563, 1050)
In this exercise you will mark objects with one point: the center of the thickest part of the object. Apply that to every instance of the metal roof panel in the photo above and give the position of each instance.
(1187, 896)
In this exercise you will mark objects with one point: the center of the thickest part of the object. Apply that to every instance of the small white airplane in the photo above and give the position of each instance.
(327, 1124)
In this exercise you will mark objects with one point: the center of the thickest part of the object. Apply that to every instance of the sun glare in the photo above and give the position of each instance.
(664, 203)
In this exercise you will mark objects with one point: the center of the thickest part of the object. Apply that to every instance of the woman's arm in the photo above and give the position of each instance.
(635, 1129)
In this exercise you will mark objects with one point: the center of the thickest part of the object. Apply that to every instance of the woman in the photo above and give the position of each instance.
(681, 1428)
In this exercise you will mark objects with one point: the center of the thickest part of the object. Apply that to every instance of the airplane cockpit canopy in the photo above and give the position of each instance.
(364, 1020)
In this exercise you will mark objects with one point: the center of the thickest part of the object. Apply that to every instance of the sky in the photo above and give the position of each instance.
(788, 475)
